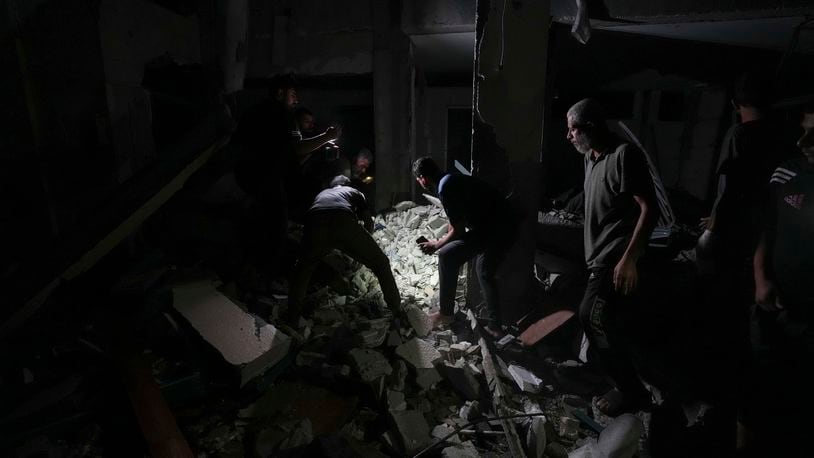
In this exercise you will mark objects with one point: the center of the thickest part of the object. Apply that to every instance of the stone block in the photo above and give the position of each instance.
(412, 429)
(527, 381)
(404, 205)
(370, 364)
(395, 400)
(419, 320)
(245, 341)
(418, 353)
(425, 378)
(462, 379)
(464, 450)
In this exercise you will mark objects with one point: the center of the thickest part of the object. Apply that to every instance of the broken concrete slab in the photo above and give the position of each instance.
(620, 439)
(412, 429)
(418, 353)
(524, 379)
(244, 341)
(464, 450)
(443, 430)
(395, 400)
(419, 320)
(536, 438)
(426, 378)
(370, 364)
(404, 205)
(462, 379)
(373, 332)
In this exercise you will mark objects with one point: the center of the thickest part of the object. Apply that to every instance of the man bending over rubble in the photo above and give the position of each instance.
(331, 223)
(620, 213)
(481, 224)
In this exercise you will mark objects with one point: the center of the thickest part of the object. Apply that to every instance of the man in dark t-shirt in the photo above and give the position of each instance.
(331, 223)
(481, 224)
(620, 213)
(784, 292)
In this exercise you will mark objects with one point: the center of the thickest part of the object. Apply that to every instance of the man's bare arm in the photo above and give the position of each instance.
(306, 146)
(625, 275)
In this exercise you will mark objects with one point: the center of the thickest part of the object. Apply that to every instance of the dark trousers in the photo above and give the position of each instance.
(608, 321)
(329, 230)
(489, 250)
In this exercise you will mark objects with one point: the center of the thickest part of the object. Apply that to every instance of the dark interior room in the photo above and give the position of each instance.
(407, 228)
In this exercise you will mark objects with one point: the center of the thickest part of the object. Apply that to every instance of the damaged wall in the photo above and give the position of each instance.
(133, 33)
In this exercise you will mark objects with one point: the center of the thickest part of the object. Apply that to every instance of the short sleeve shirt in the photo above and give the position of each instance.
(472, 203)
(342, 198)
(611, 213)
(791, 221)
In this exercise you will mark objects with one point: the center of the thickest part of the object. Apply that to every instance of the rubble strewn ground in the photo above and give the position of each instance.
(356, 382)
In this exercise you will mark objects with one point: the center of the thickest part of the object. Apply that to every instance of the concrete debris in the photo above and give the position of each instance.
(419, 320)
(443, 430)
(527, 381)
(462, 379)
(245, 341)
(399, 376)
(404, 205)
(459, 349)
(464, 450)
(284, 436)
(374, 332)
(426, 378)
(412, 429)
(395, 400)
(569, 428)
(504, 341)
(620, 439)
(536, 438)
(471, 410)
(370, 364)
(556, 450)
(419, 353)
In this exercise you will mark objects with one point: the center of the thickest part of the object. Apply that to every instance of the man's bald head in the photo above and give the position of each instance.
(588, 112)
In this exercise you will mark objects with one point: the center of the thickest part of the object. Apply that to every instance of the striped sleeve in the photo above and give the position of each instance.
(782, 175)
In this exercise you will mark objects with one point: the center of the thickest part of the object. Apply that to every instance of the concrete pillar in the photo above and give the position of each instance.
(393, 107)
(509, 86)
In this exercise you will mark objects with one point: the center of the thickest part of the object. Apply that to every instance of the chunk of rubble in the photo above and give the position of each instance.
(418, 353)
(419, 320)
(459, 349)
(370, 364)
(443, 430)
(470, 410)
(412, 429)
(462, 379)
(464, 450)
(426, 378)
(244, 341)
(536, 438)
(395, 400)
(404, 205)
(525, 380)
(284, 436)
(374, 332)
(399, 376)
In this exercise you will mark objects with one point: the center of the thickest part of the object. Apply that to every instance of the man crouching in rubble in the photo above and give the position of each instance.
(620, 213)
(481, 224)
(332, 222)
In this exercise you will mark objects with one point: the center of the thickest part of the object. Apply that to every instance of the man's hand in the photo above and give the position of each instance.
(707, 223)
(429, 247)
(765, 295)
(625, 276)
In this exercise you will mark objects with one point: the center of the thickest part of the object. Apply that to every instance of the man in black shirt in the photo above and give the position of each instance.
(481, 224)
(268, 147)
(331, 223)
(784, 291)
(620, 213)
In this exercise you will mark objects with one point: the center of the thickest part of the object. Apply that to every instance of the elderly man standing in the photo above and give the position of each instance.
(620, 213)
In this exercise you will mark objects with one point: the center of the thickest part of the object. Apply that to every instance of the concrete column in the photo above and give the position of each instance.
(393, 107)
(510, 75)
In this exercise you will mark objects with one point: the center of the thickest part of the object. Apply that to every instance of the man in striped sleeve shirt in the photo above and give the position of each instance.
(784, 292)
